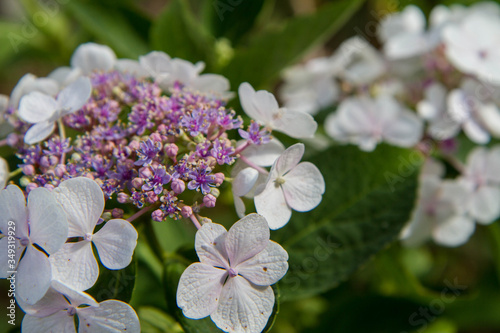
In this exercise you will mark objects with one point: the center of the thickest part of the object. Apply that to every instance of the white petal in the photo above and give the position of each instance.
(490, 117)
(59, 322)
(29, 83)
(48, 223)
(271, 204)
(110, 317)
(5, 267)
(37, 107)
(264, 155)
(199, 290)
(39, 132)
(257, 105)
(493, 165)
(485, 204)
(115, 243)
(239, 205)
(243, 307)
(4, 173)
(267, 267)
(475, 132)
(405, 130)
(33, 276)
(65, 75)
(52, 302)
(75, 297)
(454, 231)
(211, 83)
(74, 96)
(303, 187)
(90, 56)
(83, 201)
(289, 159)
(246, 238)
(132, 67)
(295, 124)
(75, 265)
(156, 62)
(244, 181)
(210, 245)
(418, 229)
(13, 208)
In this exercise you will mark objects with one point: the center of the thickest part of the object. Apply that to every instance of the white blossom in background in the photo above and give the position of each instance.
(167, 71)
(246, 178)
(263, 107)
(357, 62)
(472, 46)
(310, 87)
(231, 283)
(290, 185)
(41, 222)
(43, 110)
(30, 83)
(4, 172)
(366, 122)
(434, 109)
(56, 312)
(75, 264)
(439, 213)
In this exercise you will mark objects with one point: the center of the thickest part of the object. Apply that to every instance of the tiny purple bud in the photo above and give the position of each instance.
(186, 211)
(12, 139)
(44, 162)
(117, 213)
(31, 186)
(123, 197)
(171, 150)
(49, 187)
(157, 215)
(151, 197)
(28, 169)
(178, 186)
(53, 160)
(137, 182)
(156, 137)
(219, 178)
(60, 170)
(209, 201)
(134, 145)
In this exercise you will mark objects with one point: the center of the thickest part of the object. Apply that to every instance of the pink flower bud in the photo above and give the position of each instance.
(209, 201)
(178, 186)
(117, 213)
(31, 186)
(137, 183)
(145, 172)
(156, 137)
(53, 160)
(134, 145)
(123, 197)
(44, 162)
(151, 197)
(219, 178)
(12, 139)
(157, 215)
(49, 187)
(171, 150)
(28, 169)
(186, 211)
(60, 170)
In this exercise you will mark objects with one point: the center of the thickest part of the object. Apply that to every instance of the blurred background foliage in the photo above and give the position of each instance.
(347, 273)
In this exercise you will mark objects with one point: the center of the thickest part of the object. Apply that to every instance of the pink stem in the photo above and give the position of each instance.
(253, 165)
(241, 148)
(141, 212)
(195, 221)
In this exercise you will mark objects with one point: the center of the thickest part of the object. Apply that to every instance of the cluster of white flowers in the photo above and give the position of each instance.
(52, 270)
(57, 230)
(427, 83)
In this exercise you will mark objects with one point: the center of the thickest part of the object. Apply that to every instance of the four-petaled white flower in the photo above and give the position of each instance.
(367, 122)
(74, 264)
(4, 173)
(232, 282)
(262, 107)
(43, 110)
(41, 224)
(290, 185)
(56, 312)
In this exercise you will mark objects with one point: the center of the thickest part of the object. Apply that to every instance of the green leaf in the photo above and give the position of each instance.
(263, 59)
(115, 284)
(172, 273)
(110, 27)
(369, 197)
(178, 33)
(14, 39)
(154, 320)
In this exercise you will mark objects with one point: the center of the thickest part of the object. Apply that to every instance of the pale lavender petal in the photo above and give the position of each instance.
(210, 246)
(111, 316)
(39, 132)
(303, 187)
(267, 267)
(33, 276)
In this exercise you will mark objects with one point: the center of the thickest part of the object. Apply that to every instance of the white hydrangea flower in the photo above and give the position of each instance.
(290, 185)
(311, 87)
(75, 264)
(439, 213)
(263, 107)
(367, 122)
(41, 222)
(30, 83)
(56, 312)
(433, 108)
(232, 282)
(358, 62)
(247, 179)
(167, 71)
(4, 172)
(89, 57)
(471, 46)
(43, 110)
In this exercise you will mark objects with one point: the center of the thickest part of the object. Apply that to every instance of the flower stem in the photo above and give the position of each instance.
(253, 165)
(454, 162)
(242, 147)
(195, 221)
(141, 212)
(15, 172)
(62, 135)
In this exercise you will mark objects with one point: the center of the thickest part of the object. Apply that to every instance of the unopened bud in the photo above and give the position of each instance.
(123, 197)
(186, 211)
(60, 170)
(219, 178)
(117, 213)
(171, 150)
(28, 169)
(137, 182)
(215, 192)
(157, 215)
(178, 186)
(209, 201)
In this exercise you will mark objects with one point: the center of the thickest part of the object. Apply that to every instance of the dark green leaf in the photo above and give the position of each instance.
(178, 33)
(268, 54)
(154, 320)
(115, 284)
(110, 27)
(369, 197)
